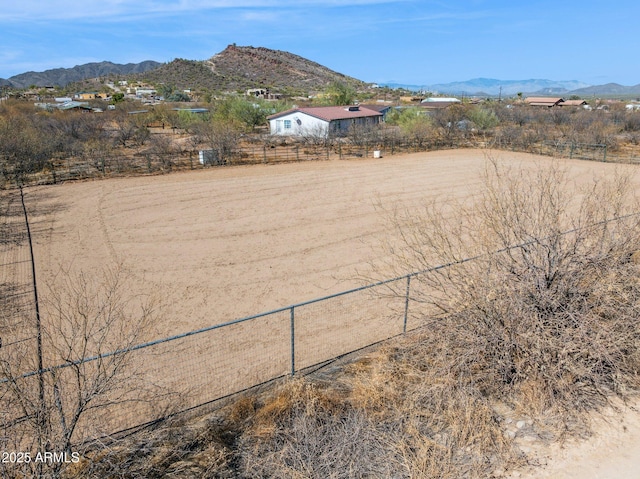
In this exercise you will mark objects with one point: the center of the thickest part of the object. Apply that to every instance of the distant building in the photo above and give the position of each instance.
(438, 103)
(384, 109)
(67, 105)
(263, 93)
(434, 99)
(145, 92)
(86, 95)
(572, 103)
(322, 120)
(543, 101)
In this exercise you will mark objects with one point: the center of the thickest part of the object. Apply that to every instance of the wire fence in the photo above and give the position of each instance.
(60, 170)
(186, 371)
(198, 367)
(580, 151)
(110, 165)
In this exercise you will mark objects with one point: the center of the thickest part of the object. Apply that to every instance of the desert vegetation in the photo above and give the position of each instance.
(41, 146)
(68, 379)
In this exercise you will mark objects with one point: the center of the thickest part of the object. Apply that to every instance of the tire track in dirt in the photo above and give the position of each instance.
(103, 227)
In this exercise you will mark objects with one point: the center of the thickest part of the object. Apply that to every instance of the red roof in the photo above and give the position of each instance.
(330, 113)
(542, 101)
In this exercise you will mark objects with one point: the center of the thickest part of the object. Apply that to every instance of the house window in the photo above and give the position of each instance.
(287, 124)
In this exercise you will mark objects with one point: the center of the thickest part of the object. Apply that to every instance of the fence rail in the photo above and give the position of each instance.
(60, 170)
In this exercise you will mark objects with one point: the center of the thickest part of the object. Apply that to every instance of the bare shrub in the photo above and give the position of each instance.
(89, 329)
(544, 316)
(198, 450)
(306, 431)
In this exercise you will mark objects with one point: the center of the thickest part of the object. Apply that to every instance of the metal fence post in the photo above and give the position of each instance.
(406, 304)
(293, 342)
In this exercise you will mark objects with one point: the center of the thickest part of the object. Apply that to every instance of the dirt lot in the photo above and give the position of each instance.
(229, 242)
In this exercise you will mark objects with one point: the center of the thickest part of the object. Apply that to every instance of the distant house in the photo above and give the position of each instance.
(263, 93)
(438, 103)
(381, 108)
(68, 105)
(86, 95)
(543, 101)
(75, 105)
(322, 120)
(140, 92)
(572, 103)
(435, 99)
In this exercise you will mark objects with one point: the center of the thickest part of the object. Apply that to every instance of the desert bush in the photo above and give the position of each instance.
(545, 315)
(483, 118)
(631, 122)
(304, 430)
(59, 408)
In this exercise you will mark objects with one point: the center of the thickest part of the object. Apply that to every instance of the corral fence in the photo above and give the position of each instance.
(581, 151)
(252, 152)
(189, 371)
(571, 150)
(108, 165)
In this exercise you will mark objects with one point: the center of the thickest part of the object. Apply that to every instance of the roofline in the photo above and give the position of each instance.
(306, 111)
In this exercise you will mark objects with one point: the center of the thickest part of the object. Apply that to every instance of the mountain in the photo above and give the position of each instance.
(608, 89)
(241, 68)
(490, 86)
(64, 76)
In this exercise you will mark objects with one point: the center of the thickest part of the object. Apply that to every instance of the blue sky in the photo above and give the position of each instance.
(408, 41)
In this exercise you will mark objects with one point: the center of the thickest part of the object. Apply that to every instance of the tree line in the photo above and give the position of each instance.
(33, 140)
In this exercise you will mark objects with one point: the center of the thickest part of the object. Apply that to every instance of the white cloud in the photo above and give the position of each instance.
(35, 10)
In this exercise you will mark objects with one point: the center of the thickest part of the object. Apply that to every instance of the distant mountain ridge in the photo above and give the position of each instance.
(244, 67)
(608, 89)
(64, 76)
(235, 68)
(491, 86)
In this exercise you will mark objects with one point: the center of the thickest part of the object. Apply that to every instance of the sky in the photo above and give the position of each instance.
(404, 41)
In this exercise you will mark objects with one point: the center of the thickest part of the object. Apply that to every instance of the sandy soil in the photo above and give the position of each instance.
(612, 452)
(225, 243)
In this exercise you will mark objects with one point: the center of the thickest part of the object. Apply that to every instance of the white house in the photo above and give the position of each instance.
(436, 99)
(322, 120)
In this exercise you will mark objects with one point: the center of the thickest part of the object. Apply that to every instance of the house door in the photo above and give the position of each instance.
(278, 126)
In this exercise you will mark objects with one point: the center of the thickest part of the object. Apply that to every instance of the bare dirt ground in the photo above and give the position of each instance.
(612, 452)
(225, 243)
(229, 242)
